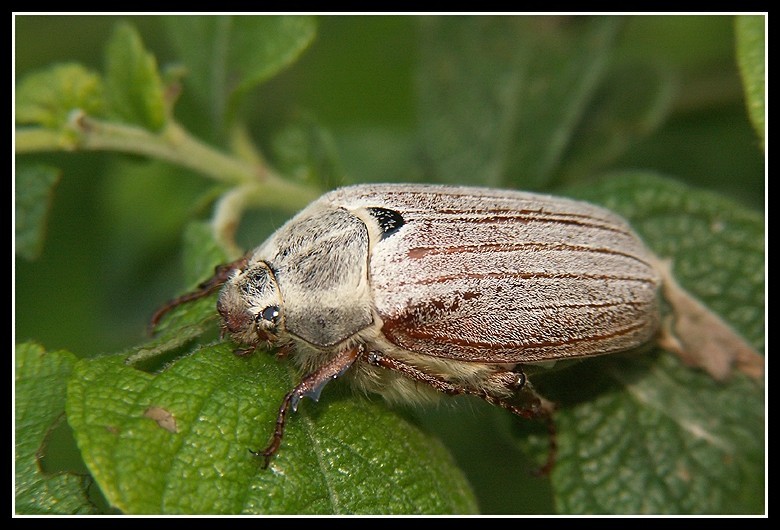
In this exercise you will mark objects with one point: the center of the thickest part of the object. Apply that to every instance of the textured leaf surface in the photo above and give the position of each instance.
(641, 433)
(34, 190)
(40, 404)
(342, 455)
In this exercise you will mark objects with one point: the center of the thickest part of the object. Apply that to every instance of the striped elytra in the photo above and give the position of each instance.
(504, 276)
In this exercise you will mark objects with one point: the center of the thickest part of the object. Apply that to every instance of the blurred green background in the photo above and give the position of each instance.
(110, 252)
(364, 86)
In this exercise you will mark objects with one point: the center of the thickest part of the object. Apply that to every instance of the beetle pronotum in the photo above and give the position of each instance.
(454, 287)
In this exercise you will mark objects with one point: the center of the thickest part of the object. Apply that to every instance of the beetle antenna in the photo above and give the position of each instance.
(220, 276)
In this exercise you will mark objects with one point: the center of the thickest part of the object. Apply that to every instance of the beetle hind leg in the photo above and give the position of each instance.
(520, 397)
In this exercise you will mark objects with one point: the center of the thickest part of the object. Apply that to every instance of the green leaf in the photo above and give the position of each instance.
(192, 320)
(183, 325)
(32, 199)
(177, 442)
(632, 100)
(134, 88)
(48, 97)
(40, 404)
(641, 433)
(373, 154)
(307, 152)
(202, 252)
(751, 43)
(657, 437)
(500, 97)
(229, 55)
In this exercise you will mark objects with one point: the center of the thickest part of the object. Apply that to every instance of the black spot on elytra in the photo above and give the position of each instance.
(389, 221)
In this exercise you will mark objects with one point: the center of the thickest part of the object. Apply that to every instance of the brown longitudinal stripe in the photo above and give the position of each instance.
(524, 276)
(464, 219)
(420, 252)
(509, 212)
(493, 211)
(435, 198)
(430, 337)
(496, 214)
(600, 305)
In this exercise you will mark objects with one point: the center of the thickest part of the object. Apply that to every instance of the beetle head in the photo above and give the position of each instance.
(251, 306)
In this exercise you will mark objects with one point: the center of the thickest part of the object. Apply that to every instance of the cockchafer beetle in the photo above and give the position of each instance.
(455, 287)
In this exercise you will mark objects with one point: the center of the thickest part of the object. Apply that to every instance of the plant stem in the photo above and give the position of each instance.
(253, 182)
(173, 144)
(232, 204)
(33, 139)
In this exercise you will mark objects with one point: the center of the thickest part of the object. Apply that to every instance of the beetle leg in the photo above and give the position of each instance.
(442, 385)
(539, 408)
(220, 276)
(310, 386)
(244, 352)
(511, 380)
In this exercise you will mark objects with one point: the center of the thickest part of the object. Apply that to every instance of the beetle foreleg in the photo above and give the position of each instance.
(310, 386)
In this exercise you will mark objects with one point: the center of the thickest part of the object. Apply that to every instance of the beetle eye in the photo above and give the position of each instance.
(270, 313)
